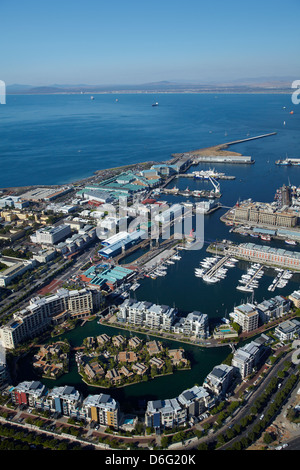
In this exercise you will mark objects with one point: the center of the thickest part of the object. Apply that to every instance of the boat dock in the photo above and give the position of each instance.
(251, 138)
(248, 286)
(192, 175)
(188, 193)
(218, 155)
(281, 279)
(215, 268)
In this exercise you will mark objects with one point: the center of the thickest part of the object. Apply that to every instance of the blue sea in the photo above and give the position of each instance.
(56, 139)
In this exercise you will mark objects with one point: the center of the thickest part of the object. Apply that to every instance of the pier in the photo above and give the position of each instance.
(251, 138)
(188, 193)
(218, 154)
(191, 175)
(212, 271)
(247, 287)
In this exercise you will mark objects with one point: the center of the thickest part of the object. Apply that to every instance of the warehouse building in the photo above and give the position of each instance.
(121, 242)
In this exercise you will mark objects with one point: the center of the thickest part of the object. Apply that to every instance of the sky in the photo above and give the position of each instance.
(137, 41)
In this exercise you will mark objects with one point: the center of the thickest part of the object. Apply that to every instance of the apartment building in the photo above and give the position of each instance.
(102, 409)
(295, 298)
(273, 308)
(246, 316)
(3, 374)
(42, 311)
(29, 393)
(147, 314)
(219, 379)
(169, 214)
(161, 414)
(65, 400)
(195, 324)
(288, 330)
(246, 358)
(195, 400)
(132, 311)
(159, 317)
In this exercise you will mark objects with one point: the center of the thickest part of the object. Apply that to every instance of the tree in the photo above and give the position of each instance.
(268, 438)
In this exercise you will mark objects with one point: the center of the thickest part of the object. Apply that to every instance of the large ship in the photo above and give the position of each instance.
(288, 162)
(206, 174)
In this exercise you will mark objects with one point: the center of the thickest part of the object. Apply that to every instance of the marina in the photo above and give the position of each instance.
(281, 279)
(214, 268)
(249, 281)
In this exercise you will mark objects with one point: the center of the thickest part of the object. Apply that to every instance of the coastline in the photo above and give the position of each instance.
(263, 91)
(218, 149)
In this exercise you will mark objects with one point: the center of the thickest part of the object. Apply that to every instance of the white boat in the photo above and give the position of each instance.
(228, 264)
(135, 286)
(221, 271)
(291, 242)
(251, 271)
(210, 280)
(199, 273)
(245, 289)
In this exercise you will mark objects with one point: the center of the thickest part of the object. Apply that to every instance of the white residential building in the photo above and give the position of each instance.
(165, 414)
(219, 380)
(273, 308)
(288, 330)
(195, 400)
(246, 316)
(246, 358)
(195, 324)
(65, 400)
(41, 311)
(147, 314)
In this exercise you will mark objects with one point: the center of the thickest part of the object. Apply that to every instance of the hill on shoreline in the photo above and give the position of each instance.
(262, 85)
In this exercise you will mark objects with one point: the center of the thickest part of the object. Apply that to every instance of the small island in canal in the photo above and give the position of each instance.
(115, 361)
(52, 360)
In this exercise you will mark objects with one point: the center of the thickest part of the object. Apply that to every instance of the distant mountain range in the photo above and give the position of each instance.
(246, 85)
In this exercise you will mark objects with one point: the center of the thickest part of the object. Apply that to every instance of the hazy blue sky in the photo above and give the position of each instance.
(134, 41)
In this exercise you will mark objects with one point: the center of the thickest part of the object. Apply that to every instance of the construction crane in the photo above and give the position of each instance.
(216, 185)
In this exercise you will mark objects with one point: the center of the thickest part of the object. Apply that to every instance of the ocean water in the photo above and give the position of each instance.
(55, 139)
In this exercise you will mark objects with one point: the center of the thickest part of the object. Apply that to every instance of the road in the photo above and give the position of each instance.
(243, 412)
